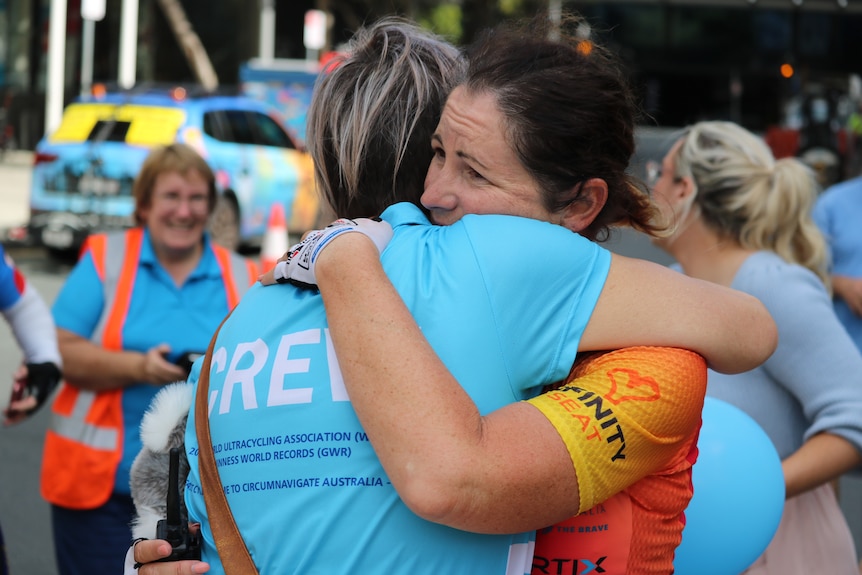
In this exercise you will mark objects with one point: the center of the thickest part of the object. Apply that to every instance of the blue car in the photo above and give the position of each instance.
(83, 172)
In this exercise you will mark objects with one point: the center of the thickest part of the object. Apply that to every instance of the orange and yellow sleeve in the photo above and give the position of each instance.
(624, 415)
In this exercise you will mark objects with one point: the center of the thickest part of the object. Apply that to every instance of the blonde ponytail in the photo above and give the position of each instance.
(746, 195)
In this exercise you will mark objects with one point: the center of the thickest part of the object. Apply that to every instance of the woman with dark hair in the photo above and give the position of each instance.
(506, 323)
(540, 128)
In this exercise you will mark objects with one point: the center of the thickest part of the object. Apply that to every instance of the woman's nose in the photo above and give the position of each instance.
(435, 196)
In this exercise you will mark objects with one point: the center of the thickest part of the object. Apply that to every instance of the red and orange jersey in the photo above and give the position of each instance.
(630, 419)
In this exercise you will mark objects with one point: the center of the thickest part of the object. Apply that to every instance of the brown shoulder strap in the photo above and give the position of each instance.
(229, 543)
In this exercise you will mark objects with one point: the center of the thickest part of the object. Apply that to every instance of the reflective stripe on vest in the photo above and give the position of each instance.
(238, 273)
(73, 426)
(116, 259)
(83, 446)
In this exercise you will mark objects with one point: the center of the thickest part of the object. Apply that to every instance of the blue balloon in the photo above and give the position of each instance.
(738, 495)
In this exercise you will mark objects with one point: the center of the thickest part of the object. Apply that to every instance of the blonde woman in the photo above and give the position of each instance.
(742, 219)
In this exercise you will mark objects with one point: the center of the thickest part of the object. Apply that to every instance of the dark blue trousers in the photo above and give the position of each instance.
(93, 540)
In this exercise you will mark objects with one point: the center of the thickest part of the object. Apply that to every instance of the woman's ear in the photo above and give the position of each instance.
(578, 215)
(685, 188)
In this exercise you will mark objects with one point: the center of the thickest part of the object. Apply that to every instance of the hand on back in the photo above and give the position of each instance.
(297, 266)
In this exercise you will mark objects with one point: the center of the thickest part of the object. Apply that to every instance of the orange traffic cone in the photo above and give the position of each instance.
(275, 242)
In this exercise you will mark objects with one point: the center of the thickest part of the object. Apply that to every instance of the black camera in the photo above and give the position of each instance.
(187, 359)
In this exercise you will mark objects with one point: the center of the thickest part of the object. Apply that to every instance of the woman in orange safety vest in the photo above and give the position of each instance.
(138, 304)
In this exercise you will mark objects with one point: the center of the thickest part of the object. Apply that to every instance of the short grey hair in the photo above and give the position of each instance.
(373, 113)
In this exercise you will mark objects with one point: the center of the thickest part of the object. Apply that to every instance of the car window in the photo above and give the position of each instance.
(109, 131)
(135, 125)
(270, 133)
(216, 126)
(241, 129)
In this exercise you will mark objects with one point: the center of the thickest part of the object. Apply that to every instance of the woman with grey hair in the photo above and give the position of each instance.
(743, 219)
(511, 140)
(357, 524)
(373, 113)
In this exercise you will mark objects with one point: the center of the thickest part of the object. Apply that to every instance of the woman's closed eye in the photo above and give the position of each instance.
(472, 174)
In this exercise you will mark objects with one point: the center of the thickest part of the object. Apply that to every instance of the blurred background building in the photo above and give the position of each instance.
(765, 63)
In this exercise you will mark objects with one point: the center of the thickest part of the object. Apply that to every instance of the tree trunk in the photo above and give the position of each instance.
(190, 43)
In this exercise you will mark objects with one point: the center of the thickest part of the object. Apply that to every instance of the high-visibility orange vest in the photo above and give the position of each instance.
(84, 442)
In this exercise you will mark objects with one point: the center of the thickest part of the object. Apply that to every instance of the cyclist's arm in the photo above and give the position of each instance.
(515, 469)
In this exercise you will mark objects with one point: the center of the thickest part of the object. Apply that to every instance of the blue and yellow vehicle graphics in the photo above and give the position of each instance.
(83, 172)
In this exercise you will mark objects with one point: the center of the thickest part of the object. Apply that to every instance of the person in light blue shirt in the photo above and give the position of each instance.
(169, 319)
(136, 302)
(837, 213)
(306, 489)
(320, 470)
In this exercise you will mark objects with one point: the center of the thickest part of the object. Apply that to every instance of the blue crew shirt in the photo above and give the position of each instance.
(159, 312)
(503, 301)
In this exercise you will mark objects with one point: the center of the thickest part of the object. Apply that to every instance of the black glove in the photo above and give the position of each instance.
(42, 379)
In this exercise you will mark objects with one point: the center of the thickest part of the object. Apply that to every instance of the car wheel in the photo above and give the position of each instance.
(224, 222)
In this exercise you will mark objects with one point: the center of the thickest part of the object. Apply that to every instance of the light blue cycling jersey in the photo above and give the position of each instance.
(502, 300)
